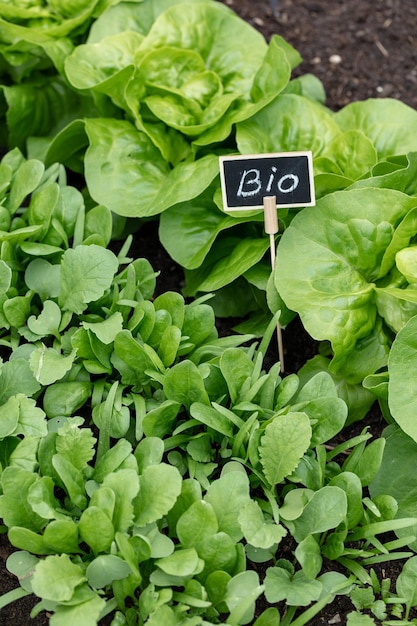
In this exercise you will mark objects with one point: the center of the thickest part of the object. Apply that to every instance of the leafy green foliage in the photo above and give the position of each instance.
(157, 463)
(146, 502)
(355, 297)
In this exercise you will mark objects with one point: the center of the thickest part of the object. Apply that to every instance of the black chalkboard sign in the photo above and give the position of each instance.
(247, 179)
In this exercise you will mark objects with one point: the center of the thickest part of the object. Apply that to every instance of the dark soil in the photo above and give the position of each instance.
(359, 49)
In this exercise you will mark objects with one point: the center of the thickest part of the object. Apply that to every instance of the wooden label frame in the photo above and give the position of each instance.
(247, 179)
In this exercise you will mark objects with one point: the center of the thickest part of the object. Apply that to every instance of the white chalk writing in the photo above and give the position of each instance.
(251, 183)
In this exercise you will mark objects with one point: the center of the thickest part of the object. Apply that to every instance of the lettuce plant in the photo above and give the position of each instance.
(172, 85)
(35, 38)
(346, 267)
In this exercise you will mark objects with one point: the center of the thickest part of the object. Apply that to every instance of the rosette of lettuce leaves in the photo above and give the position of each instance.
(169, 80)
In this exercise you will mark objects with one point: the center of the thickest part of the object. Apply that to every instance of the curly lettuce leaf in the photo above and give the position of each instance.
(390, 124)
(197, 223)
(353, 152)
(104, 67)
(228, 45)
(38, 107)
(399, 174)
(290, 123)
(57, 18)
(124, 16)
(129, 175)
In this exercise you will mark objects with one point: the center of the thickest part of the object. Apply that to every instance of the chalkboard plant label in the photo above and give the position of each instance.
(247, 179)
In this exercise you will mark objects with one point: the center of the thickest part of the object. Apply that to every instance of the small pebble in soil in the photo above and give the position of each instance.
(335, 59)
(258, 21)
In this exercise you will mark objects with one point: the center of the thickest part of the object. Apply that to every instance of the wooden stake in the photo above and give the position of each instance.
(271, 228)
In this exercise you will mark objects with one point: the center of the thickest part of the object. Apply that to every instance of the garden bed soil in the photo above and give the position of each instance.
(359, 49)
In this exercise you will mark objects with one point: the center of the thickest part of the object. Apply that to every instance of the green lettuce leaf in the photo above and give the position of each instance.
(390, 124)
(290, 123)
(38, 107)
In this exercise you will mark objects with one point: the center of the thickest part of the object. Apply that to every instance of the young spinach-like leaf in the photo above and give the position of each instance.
(86, 273)
(286, 439)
